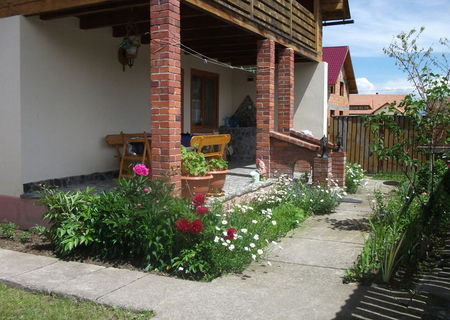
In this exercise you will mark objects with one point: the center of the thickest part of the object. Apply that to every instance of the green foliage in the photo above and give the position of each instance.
(38, 230)
(193, 163)
(315, 199)
(354, 174)
(8, 230)
(423, 175)
(72, 216)
(25, 237)
(217, 164)
(22, 304)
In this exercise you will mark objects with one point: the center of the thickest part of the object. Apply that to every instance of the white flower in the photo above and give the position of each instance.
(321, 200)
(228, 241)
(256, 237)
(224, 233)
(180, 269)
(244, 230)
(273, 242)
(254, 221)
(216, 239)
(246, 249)
(254, 256)
(269, 263)
(217, 228)
(274, 222)
(224, 221)
(231, 247)
(252, 245)
(260, 252)
(225, 244)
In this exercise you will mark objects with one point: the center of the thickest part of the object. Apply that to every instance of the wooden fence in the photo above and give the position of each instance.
(357, 139)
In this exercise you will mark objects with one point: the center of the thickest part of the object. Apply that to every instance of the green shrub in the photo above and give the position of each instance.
(25, 237)
(8, 230)
(423, 175)
(354, 174)
(314, 199)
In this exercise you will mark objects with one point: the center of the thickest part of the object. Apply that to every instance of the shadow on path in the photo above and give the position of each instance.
(429, 301)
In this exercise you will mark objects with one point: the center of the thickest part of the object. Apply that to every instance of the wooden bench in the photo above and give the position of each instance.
(212, 146)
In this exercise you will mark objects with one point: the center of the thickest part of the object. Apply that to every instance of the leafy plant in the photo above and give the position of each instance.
(217, 164)
(354, 174)
(8, 230)
(193, 163)
(25, 237)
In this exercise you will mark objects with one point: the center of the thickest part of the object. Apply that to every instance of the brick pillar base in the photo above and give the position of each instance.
(165, 60)
(338, 167)
(265, 99)
(322, 171)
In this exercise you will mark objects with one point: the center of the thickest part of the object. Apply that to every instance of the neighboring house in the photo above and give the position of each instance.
(373, 103)
(63, 90)
(341, 79)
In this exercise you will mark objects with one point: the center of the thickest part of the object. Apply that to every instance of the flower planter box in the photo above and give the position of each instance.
(217, 182)
(191, 185)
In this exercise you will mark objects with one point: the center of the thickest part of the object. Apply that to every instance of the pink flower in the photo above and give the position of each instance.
(196, 226)
(146, 190)
(141, 170)
(201, 210)
(138, 204)
(199, 199)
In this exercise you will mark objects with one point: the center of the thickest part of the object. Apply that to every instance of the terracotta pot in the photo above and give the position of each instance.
(192, 185)
(217, 182)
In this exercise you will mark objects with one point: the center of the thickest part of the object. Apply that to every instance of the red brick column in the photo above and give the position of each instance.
(322, 171)
(285, 90)
(338, 160)
(265, 98)
(165, 79)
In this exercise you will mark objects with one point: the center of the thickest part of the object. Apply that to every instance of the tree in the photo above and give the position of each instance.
(427, 108)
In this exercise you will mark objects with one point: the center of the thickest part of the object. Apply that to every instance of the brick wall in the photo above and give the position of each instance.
(336, 99)
(285, 99)
(265, 98)
(165, 90)
(338, 168)
(322, 171)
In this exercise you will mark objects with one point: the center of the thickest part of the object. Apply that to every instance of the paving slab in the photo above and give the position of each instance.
(55, 274)
(13, 263)
(95, 285)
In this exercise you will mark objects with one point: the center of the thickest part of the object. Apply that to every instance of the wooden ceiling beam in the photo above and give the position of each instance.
(113, 18)
(107, 7)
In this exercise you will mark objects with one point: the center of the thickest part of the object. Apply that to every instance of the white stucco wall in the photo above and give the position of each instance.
(310, 108)
(10, 112)
(74, 92)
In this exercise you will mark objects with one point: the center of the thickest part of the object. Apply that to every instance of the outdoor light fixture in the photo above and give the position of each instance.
(128, 51)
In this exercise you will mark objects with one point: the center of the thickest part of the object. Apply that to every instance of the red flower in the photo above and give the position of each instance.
(183, 225)
(196, 226)
(199, 199)
(230, 233)
(201, 210)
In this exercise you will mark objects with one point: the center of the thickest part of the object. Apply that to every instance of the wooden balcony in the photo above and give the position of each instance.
(287, 22)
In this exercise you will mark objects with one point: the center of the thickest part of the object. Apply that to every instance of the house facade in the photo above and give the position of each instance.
(63, 89)
(341, 79)
(373, 103)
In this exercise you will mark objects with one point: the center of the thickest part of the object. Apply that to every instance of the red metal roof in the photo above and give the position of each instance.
(335, 57)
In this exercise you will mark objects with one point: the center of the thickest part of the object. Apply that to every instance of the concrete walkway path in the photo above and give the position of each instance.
(304, 281)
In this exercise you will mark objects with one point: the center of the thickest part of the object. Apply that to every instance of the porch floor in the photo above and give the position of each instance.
(238, 179)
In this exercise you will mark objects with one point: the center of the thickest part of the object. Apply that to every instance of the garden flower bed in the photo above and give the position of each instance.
(139, 222)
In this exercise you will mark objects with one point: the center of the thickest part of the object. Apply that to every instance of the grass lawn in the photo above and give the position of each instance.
(21, 304)
(388, 176)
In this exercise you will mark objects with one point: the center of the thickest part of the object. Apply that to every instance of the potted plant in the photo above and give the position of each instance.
(194, 173)
(218, 168)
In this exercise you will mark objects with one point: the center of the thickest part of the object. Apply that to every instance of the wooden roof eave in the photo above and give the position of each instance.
(349, 72)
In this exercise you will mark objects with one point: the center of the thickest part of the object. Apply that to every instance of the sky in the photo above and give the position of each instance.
(376, 22)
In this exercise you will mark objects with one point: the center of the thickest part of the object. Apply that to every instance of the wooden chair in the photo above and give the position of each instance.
(212, 146)
(127, 159)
